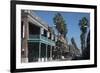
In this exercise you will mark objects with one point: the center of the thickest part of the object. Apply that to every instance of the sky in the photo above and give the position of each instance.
(71, 19)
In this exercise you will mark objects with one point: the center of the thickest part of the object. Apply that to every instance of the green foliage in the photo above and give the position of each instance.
(60, 24)
(59, 43)
(83, 23)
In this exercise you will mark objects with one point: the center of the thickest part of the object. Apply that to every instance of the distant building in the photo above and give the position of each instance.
(37, 41)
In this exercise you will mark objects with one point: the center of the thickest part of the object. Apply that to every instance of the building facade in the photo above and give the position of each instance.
(37, 41)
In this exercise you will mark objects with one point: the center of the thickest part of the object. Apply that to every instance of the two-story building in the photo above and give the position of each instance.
(37, 40)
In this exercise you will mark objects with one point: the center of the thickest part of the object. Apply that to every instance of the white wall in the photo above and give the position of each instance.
(5, 37)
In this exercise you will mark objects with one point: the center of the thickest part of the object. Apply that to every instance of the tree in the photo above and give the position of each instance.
(83, 23)
(86, 51)
(60, 24)
(74, 43)
(57, 54)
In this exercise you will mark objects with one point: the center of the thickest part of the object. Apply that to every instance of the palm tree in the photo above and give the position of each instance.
(83, 23)
(62, 29)
(60, 24)
(86, 52)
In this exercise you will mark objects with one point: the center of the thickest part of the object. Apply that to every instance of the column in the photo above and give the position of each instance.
(40, 46)
(46, 51)
(51, 53)
(24, 40)
(39, 52)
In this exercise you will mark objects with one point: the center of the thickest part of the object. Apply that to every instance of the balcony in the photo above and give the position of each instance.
(42, 39)
(34, 37)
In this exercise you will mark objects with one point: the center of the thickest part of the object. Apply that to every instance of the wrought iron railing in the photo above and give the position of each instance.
(40, 37)
(45, 38)
(34, 36)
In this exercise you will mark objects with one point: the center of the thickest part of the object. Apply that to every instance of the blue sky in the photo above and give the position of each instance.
(71, 19)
